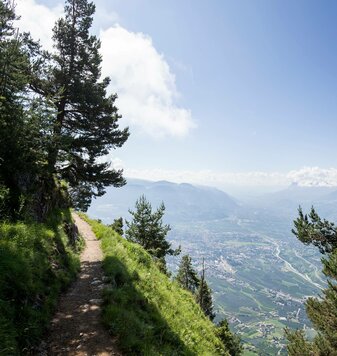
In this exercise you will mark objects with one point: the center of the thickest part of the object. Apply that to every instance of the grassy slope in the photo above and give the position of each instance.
(36, 263)
(148, 312)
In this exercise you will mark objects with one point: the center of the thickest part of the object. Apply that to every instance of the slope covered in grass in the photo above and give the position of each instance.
(36, 263)
(148, 312)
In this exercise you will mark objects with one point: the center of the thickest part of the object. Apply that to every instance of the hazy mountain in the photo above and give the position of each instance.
(286, 202)
(183, 201)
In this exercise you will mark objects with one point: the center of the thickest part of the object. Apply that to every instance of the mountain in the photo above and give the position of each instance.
(184, 202)
(286, 202)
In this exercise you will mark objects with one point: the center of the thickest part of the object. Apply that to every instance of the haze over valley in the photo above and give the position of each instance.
(259, 272)
(168, 172)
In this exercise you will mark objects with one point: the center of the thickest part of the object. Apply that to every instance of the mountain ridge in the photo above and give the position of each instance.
(183, 201)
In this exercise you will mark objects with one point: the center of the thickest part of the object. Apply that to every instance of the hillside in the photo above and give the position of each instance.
(149, 313)
(184, 202)
(37, 262)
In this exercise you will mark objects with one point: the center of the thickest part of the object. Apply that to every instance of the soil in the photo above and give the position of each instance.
(76, 329)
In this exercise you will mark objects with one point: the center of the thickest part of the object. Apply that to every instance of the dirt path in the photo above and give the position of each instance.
(76, 329)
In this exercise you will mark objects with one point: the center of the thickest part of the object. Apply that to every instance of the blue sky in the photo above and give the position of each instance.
(252, 83)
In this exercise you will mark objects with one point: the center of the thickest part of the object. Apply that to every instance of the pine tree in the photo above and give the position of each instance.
(85, 123)
(204, 295)
(311, 229)
(117, 225)
(299, 346)
(187, 277)
(21, 139)
(232, 342)
(148, 230)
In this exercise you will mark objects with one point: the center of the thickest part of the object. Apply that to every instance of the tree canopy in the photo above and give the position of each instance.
(117, 225)
(187, 276)
(85, 124)
(231, 341)
(21, 140)
(204, 295)
(322, 311)
(147, 229)
(57, 120)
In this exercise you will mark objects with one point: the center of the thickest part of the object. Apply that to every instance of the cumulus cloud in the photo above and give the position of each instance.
(144, 83)
(308, 176)
(38, 19)
(115, 162)
(139, 73)
(314, 176)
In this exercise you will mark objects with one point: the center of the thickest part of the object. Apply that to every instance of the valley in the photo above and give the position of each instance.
(259, 272)
(260, 281)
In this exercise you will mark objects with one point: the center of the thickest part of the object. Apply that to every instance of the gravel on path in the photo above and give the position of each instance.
(76, 329)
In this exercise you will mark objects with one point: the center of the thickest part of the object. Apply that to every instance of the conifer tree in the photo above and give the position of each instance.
(231, 341)
(311, 229)
(204, 295)
(21, 140)
(187, 277)
(148, 230)
(85, 123)
(117, 225)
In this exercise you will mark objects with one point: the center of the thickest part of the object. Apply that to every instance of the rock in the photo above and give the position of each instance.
(96, 282)
(106, 279)
(96, 301)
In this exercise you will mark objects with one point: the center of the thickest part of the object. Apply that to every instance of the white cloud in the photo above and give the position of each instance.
(115, 162)
(104, 17)
(308, 176)
(139, 74)
(314, 176)
(144, 83)
(38, 19)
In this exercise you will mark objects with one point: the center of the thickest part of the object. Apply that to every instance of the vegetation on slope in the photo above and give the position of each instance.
(56, 118)
(322, 311)
(37, 261)
(150, 314)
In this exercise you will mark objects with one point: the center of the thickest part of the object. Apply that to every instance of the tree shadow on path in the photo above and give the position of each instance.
(77, 328)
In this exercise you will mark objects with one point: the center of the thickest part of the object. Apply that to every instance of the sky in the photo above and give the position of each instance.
(225, 93)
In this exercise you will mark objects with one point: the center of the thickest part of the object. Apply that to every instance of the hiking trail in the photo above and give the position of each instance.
(76, 329)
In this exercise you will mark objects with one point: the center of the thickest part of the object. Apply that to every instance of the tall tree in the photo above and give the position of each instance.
(204, 295)
(187, 277)
(85, 125)
(311, 229)
(231, 341)
(117, 225)
(21, 151)
(147, 229)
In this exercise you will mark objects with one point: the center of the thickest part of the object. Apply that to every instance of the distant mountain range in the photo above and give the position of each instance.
(184, 202)
(253, 259)
(287, 201)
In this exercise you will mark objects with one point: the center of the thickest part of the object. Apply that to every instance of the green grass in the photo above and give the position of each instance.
(36, 264)
(148, 312)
